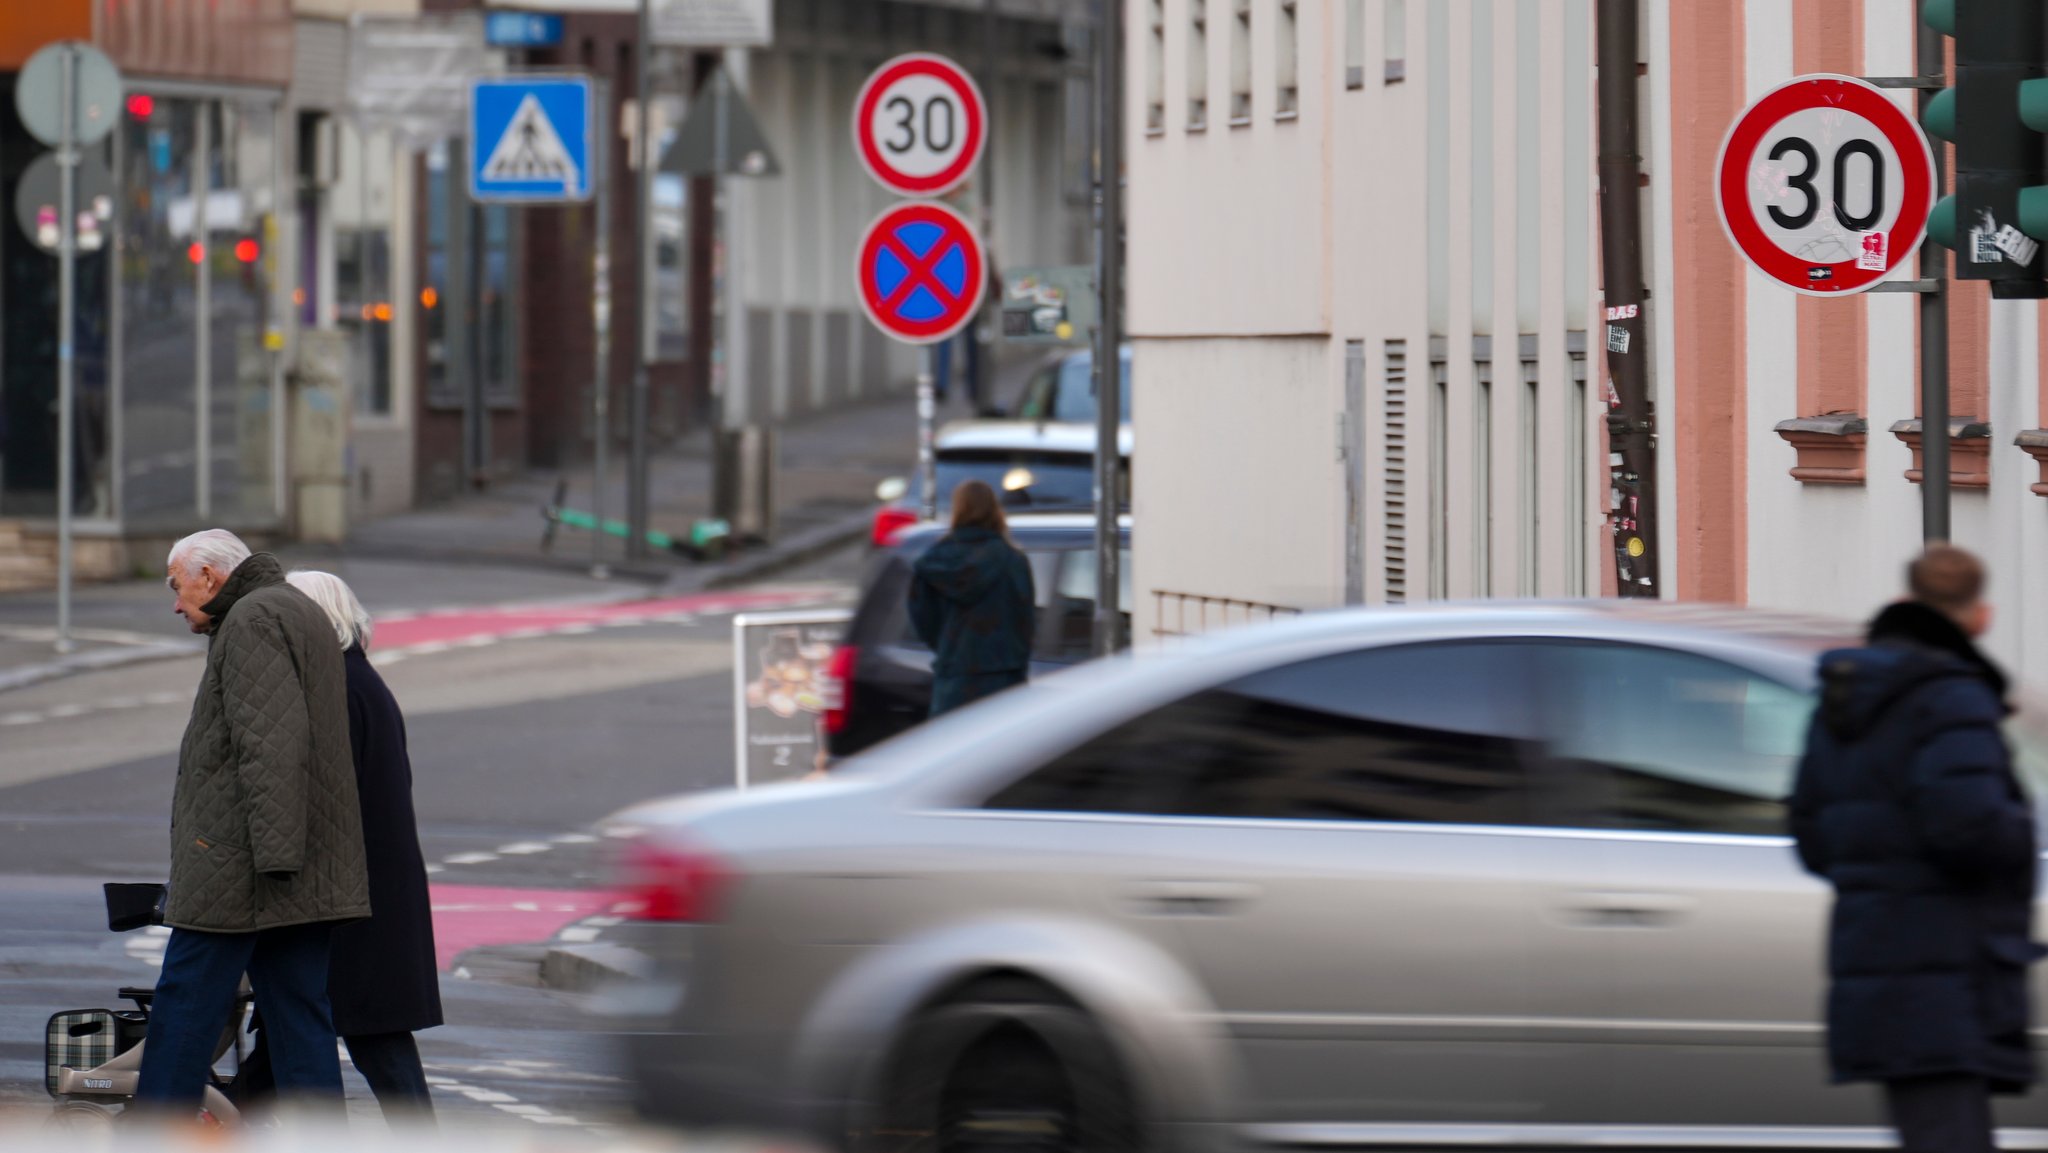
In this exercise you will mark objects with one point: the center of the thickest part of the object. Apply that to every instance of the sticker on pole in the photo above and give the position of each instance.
(529, 139)
(920, 272)
(919, 125)
(1825, 184)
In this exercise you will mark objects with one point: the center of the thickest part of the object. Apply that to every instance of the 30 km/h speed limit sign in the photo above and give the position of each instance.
(919, 125)
(1825, 184)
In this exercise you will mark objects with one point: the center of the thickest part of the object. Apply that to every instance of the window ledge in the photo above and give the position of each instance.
(1830, 447)
(1155, 133)
(2034, 442)
(1287, 116)
(1969, 451)
(1201, 127)
(1240, 122)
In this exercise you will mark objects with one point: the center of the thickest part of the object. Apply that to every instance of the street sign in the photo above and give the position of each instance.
(38, 197)
(412, 75)
(919, 125)
(1054, 305)
(39, 92)
(712, 23)
(530, 139)
(920, 272)
(508, 29)
(1825, 185)
(779, 691)
(705, 147)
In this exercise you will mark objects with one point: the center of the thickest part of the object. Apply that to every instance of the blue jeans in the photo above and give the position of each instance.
(194, 994)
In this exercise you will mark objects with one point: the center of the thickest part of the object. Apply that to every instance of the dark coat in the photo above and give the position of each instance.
(972, 601)
(265, 828)
(382, 976)
(1908, 804)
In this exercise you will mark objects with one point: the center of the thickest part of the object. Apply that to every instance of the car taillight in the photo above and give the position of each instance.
(667, 883)
(890, 519)
(836, 687)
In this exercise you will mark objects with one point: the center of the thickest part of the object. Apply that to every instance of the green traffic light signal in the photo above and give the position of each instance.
(1940, 15)
(1941, 222)
(1939, 117)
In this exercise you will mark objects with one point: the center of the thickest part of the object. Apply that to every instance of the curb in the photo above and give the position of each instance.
(788, 553)
(103, 659)
(587, 968)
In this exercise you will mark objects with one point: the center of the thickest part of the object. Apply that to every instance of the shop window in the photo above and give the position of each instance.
(365, 306)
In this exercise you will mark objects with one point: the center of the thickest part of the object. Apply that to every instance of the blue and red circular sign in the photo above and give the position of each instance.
(920, 273)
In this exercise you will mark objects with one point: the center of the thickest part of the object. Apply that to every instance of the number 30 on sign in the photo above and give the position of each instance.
(1825, 184)
(919, 125)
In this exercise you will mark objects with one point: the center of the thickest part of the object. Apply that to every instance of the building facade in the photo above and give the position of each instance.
(1391, 327)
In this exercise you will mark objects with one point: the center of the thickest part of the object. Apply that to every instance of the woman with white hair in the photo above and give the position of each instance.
(382, 978)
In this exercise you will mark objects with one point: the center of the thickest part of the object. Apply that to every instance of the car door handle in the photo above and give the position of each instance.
(1189, 898)
(1630, 910)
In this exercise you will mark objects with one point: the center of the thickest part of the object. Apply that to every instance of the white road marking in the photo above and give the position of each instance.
(524, 848)
(20, 718)
(471, 858)
(488, 1096)
(534, 1111)
(574, 839)
(432, 869)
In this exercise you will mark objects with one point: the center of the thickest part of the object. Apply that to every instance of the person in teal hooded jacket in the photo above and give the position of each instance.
(971, 600)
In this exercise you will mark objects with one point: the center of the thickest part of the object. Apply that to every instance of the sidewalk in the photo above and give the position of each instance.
(830, 465)
(485, 548)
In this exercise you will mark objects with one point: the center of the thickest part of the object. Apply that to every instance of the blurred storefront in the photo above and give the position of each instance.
(180, 335)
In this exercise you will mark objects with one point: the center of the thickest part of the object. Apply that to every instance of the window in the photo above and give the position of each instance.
(363, 303)
(1482, 478)
(1354, 43)
(1675, 741)
(1532, 503)
(1241, 63)
(1287, 63)
(1198, 65)
(1155, 67)
(1396, 33)
(1422, 733)
(1439, 480)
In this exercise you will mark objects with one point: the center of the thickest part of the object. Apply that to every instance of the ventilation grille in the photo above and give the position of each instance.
(1394, 422)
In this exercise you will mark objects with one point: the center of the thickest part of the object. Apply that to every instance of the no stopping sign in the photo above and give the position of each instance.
(1825, 185)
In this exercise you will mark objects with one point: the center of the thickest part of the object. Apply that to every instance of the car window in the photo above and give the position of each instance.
(1420, 733)
(1676, 741)
(1038, 394)
(1025, 478)
(1076, 395)
(1066, 631)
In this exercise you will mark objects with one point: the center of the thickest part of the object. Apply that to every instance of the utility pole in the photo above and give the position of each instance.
(1109, 154)
(983, 333)
(1631, 418)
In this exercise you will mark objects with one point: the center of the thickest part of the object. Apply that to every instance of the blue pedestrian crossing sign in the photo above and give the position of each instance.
(529, 139)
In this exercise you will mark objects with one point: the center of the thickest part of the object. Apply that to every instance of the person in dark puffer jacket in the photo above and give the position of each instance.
(1907, 803)
(972, 601)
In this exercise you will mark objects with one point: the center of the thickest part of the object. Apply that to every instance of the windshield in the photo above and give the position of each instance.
(1025, 478)
(1074, 399)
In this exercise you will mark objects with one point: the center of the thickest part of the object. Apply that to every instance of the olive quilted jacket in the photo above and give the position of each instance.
(265, 828)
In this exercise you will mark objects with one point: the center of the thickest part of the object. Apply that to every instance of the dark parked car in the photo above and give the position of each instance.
(879, 682)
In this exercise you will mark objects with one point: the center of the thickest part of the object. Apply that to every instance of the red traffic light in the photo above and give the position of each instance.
(141, 105)
(246, 251)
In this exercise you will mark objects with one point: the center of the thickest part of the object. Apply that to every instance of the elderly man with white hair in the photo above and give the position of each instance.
(266, 833)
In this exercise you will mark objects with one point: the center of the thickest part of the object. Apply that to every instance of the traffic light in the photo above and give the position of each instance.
(1999, 148)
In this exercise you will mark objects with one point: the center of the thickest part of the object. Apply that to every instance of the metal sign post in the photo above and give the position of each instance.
(66, 95)
(601, 315)
(644, 288)
(927, 413)
(1109, 343)
(67, 332)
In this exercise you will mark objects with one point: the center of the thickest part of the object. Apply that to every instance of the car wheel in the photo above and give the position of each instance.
(1005, 1067)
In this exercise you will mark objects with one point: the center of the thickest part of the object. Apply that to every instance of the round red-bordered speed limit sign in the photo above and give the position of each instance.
(919, 125)
(1825, 185)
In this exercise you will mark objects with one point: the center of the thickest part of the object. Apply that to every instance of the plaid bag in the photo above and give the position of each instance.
(87, 1039)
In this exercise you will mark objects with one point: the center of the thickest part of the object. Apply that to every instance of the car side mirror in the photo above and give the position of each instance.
(892, 490)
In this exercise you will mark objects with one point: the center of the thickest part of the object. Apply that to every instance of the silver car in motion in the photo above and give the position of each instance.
(1480, 875)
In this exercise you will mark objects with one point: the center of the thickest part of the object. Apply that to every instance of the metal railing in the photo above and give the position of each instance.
(1177, 614)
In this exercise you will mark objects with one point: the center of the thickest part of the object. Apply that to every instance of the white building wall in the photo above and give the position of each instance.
(1401, 215)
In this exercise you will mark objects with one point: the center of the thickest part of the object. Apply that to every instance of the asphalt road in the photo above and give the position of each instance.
(521, 745)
